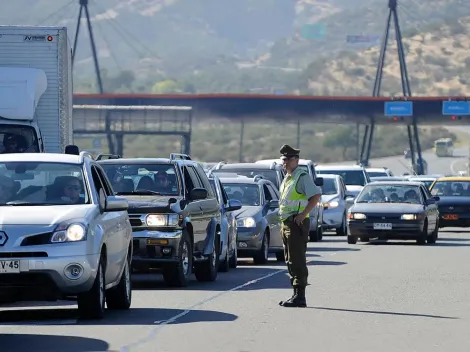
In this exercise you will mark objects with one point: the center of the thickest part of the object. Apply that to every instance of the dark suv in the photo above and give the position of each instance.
(174, 213)
(273, 172)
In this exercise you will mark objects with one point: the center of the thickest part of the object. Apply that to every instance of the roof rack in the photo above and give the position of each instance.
(84, 154)
(219, 165)
(179, 156)
(103, 156)
(256, 178)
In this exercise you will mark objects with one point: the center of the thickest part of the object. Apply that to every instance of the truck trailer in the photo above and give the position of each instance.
(36, 89)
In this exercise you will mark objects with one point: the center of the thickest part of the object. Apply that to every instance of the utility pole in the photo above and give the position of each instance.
(413, 135)
(84, 8)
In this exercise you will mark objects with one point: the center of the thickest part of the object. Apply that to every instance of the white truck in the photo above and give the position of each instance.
(35, 89)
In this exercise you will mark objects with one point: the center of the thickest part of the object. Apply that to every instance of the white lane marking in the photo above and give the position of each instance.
(154, 331)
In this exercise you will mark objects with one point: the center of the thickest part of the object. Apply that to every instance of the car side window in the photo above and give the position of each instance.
(224, 194)
(423, 193)
(108, 190)
(274, 193)
(194, 177)
(205, 182)
(187, 181)
(267, 194)
(96, 180)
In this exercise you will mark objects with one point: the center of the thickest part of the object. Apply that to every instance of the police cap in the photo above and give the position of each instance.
(287, 151)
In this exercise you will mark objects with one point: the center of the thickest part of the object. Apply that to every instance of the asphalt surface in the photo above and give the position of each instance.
(386, 297)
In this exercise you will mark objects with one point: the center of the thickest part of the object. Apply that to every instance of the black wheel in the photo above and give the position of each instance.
(224, 265)
(261, 257)
(421, 240)
(207, 270)
(91, 304)
(432, 238)
(343, 230)
(364, 239)
(234, 259)
(280, 257)
(352, 239)
(120, 297)
(179, 274)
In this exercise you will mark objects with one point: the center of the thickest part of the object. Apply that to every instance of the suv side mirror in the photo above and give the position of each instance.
(233, 204)
(350, 200)
(436, 198)
(430, 201)
(114, 203)
(273, 204)
(319, 181)
(198, 193)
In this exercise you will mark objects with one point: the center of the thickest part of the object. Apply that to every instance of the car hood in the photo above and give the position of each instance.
(139, 204)
(453, 200)
(325, 198)
(386, 208)
(247, 211)
(43, 215)
(354, 189)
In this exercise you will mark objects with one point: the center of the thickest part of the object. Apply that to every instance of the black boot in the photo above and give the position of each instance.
(298, 301)
(288, 301)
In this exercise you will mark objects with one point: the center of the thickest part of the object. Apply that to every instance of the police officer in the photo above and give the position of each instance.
(299, 195)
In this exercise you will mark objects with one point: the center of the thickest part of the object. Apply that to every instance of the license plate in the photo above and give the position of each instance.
(9, 266)
(382, 226)
(450, 217)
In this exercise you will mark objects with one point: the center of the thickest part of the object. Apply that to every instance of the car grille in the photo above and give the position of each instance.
(136, 220)
(37, 240)
(23, 255)
(383, 217)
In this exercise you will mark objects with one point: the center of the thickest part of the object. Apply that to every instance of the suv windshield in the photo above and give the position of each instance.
(270, 175)
(18, 139)
(329, 186)
(350, 177)
(142, 179)
(42, 183)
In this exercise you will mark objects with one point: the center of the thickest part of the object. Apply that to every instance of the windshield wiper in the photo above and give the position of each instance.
(140, 192)
(21, 203)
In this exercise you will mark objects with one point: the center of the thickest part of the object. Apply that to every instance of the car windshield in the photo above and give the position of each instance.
(18, 139)
(270, 175)
(329, 186)
(42, 183)
(142, 179)
(350, 177)
(377, 173)
(384, 193)
(451, 189)
(247, 194)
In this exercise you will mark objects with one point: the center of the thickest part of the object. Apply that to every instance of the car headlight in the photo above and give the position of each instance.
(246, 222)
(69, 232)
(162, 220)
(357, 216)
(332, 204)
(409, 217)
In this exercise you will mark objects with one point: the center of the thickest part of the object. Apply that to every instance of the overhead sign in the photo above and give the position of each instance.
(398, 108)
(455, 108)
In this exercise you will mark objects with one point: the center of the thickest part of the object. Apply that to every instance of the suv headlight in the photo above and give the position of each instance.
(69, 232)
(162, 220)
(357, 216)
(331, 204)
(246, 222)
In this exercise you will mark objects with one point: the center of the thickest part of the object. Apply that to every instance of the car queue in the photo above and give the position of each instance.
(92, 222)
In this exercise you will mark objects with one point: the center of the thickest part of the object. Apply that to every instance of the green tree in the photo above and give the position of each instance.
(341, 137)
(166, 87)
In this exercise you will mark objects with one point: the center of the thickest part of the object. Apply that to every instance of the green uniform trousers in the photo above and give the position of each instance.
(295, 239)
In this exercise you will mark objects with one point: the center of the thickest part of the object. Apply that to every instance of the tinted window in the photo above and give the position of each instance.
(350, 177)
(18, 139)
(451, 189)
(383, 193)
(247, 194)
(127, 179)
(42, 182)
(377, 174)
(329, 186)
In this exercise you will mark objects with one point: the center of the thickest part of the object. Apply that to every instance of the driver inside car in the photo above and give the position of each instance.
(6, 189)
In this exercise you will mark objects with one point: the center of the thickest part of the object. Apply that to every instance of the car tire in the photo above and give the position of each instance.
(207, 270)
(120, 296)
(421, 240)
(432, 238)
(234, 259)
(280, 257)
(352, 239)
(343, 229)
(317, 235)
(262, 255)
(91, 304)
(224, 265)
(179, 274)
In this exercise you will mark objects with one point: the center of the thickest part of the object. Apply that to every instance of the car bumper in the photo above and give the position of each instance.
(463, 220)
(152, 248)
(249, 240)
(333, 218)
(45, 277)
(400, 230)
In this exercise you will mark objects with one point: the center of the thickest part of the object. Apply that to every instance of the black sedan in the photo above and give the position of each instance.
(454, 202)
(396, 210)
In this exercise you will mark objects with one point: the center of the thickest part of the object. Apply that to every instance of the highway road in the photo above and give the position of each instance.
(388, 297)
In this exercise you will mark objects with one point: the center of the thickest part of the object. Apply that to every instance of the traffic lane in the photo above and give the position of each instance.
(153, 304)
(390, 297)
